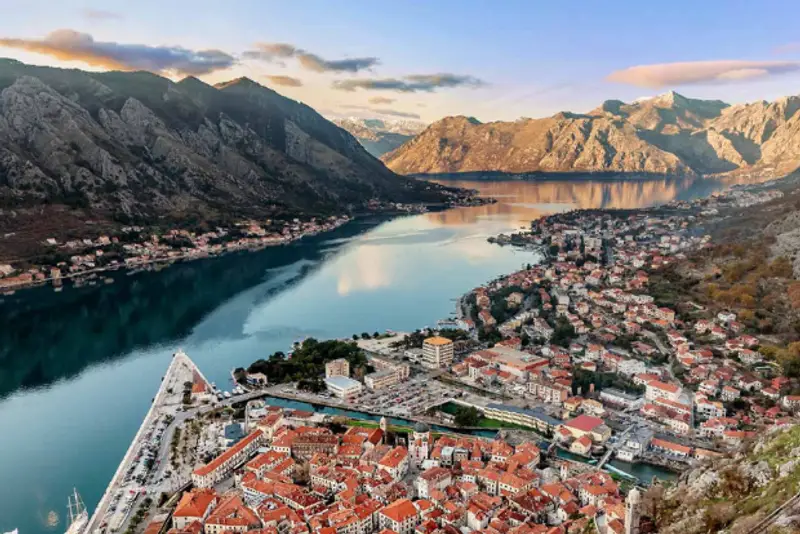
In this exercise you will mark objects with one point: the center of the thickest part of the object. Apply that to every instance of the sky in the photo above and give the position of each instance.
(424, 60)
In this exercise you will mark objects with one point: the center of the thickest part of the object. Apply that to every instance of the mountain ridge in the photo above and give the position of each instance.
(379, 136)
(669, 134)
(135, 146)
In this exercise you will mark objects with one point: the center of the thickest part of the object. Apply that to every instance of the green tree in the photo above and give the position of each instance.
(467, 416)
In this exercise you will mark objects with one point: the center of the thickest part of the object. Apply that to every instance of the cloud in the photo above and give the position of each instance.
(699, 72)
(410, 84)
(274, 52)
(383, 111)
(271, 51)
(381, 100)
(100, 14)
(286, 81)
(317, 64)
(69, 45)
(788, 48)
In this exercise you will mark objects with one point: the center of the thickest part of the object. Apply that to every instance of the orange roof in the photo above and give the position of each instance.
(227, 455)
(393, 458)
(195, 503)
(585, 423)
(664, 444)
(438, 340)
(671, 388)
(233, 512)
(400, 510)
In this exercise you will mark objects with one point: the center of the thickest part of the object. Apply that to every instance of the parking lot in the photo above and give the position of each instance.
(413, 397)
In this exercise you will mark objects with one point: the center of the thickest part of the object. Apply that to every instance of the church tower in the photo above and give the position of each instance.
(633, 506)
(384, 425)
(419, 446)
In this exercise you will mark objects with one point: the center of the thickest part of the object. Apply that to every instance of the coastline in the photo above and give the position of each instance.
(132, 267)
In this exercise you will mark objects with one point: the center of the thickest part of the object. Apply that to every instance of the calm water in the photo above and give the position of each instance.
(78, 369)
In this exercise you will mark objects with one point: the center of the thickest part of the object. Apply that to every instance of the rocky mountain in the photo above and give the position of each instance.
(740, 492)
(136, 146)
(380, 136)
(667, 134)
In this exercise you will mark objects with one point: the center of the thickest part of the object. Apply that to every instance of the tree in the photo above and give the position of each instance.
(467, 416)
(563, 333)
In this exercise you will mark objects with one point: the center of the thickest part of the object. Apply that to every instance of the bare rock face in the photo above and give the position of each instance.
(138, 145)
(668, 134)
(379, 136)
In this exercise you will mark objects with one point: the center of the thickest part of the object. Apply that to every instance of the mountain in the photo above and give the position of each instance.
(740, 492)
(380, 136)
(666, 134)
(137, 146)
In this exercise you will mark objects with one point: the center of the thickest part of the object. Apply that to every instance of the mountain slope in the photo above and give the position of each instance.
(378, 136)
(667, 134)
(133, 146)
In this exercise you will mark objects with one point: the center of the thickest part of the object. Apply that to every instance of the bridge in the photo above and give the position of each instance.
(611, 450)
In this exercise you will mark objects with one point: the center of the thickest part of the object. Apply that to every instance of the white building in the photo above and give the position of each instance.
(437, 352)
(343, 387)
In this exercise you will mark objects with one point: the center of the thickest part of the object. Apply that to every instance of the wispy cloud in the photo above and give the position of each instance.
(286, 81)
(410, 84)
(382, 111)
(69, 45)
(788, 48)
(100, 14)
(381, 100)
(275, 52)
(700, 72)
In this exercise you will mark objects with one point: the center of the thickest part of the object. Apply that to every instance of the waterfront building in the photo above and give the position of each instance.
(437, 352)
(343, 387)
(587, 425)
(535, 418)
(338, 367)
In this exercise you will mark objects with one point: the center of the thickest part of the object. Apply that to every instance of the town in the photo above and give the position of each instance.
(571, 362)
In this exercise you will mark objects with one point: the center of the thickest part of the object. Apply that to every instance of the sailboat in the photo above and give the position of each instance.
(78, 516)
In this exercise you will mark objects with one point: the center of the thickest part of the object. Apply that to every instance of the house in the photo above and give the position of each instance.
(670, 449)
(656, 389)
(587, 425)
(401, 517)
(582, 446)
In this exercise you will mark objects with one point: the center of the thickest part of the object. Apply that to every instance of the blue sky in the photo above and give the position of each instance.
(428, 59)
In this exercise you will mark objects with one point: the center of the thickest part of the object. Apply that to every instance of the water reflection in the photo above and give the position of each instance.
(49, 336)
(524, 200)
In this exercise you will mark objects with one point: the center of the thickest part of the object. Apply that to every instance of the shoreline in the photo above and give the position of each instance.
(131, 268)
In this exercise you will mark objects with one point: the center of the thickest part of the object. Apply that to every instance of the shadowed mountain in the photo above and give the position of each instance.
(136, 146)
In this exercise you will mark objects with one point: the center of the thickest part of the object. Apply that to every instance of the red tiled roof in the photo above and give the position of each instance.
(195, 503)
(227, 455)
(400, 510)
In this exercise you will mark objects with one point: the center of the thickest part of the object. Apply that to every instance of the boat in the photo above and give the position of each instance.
(78, 516)
(227, 394)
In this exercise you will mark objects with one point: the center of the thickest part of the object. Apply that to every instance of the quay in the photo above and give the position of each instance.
(110, 511)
